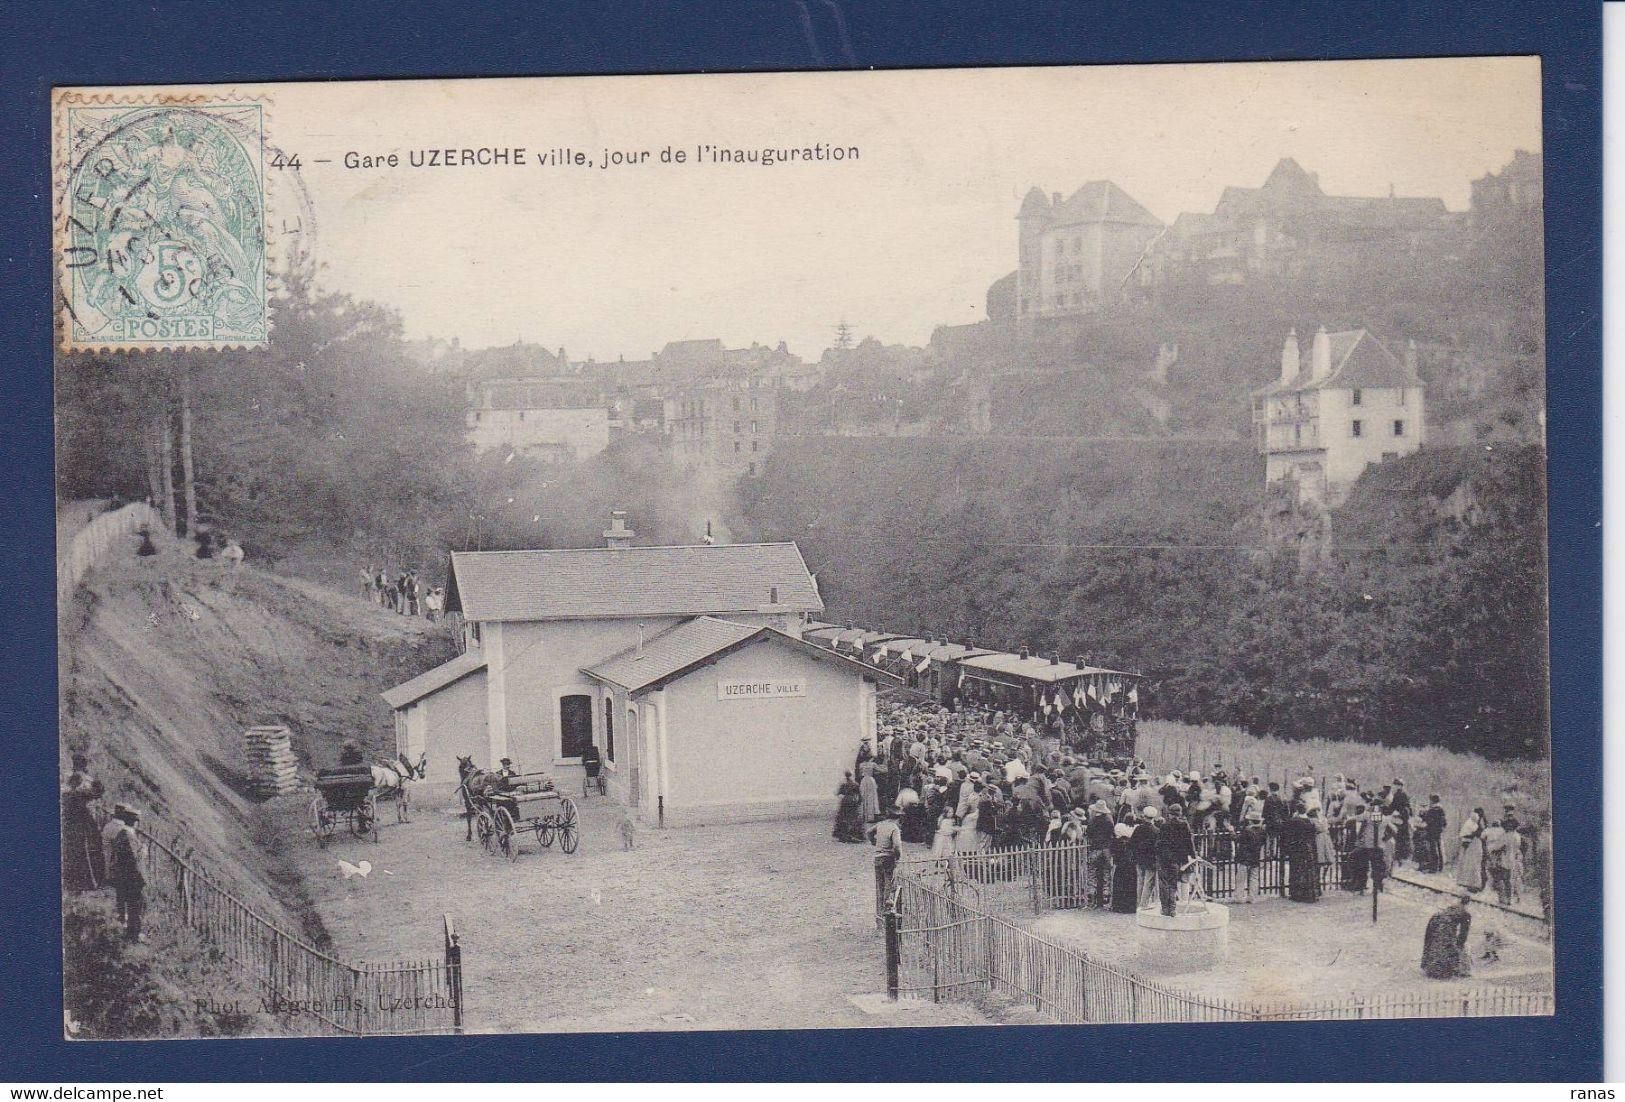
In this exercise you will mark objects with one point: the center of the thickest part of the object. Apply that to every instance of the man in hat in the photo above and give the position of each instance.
(887, 836)
(1399, 803)
(1368, 849)
(1430, 855)
(1098, 834)
(1275, 816)
(1143, 847)
(125, 872)
(1250, 853)
(1175, 848)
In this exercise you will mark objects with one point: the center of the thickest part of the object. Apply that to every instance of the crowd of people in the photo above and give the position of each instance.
(99, 855)
(974, 780)
(404, 593)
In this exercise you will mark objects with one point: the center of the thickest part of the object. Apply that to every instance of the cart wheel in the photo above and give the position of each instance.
(507, 843)
(403, 807)
(485, 829)
(569, 826)
(544, 832)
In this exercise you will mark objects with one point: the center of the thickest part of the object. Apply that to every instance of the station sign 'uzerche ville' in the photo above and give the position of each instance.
(757, 690)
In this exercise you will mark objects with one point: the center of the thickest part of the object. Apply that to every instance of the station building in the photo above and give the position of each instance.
(684, 666)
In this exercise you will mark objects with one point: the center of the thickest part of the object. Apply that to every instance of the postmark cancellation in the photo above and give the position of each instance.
(161, 221)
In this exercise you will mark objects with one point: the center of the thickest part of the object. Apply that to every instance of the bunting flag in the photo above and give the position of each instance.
(925, 664)
(1134, 694)
(1060, 701)
(1045, 699)
(1093, 698)
(907, 655)
(879, 655)
(1077, 694)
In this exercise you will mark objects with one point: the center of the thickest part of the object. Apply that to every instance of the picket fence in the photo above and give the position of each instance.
(94, 540)
(949, 940)
(301, 984)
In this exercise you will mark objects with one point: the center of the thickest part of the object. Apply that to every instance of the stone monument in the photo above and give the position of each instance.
(1195, 936)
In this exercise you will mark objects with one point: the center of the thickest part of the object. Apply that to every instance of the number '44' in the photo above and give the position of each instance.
(282, 160)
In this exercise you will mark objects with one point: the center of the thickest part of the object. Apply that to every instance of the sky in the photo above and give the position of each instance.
(900, 239)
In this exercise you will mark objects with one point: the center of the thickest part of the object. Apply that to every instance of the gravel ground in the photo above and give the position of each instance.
(762, 925)
(1282, 951)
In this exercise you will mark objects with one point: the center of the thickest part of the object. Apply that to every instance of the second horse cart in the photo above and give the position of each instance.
(344, 796)
(529, 802)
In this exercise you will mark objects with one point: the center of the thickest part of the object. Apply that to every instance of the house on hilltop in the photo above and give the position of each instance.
(1288, 228)
(1320, 424)
(1075, 254)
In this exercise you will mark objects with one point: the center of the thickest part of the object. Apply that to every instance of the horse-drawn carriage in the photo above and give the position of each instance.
(502, 806)
(351, 793)
(346, 796)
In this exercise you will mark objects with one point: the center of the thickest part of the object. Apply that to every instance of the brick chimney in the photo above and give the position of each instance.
(1320, 354)
(1289, 357)
(619, 535)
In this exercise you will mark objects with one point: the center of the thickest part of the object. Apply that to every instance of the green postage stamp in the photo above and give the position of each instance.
(161, 222)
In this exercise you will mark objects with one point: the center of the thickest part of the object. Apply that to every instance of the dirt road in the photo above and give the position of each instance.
(749, 926)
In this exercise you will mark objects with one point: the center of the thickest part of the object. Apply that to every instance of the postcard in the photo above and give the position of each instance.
(803, 550)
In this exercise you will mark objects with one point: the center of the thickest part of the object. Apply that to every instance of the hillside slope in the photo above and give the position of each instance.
(164, 662)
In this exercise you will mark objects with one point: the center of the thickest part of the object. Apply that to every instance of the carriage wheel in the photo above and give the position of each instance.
(485, 829)
(569, 827)
(403, 808)
(318, 820)
(507, 843)
(544, 831)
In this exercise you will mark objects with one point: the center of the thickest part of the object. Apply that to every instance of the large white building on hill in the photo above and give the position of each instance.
(1322, 422)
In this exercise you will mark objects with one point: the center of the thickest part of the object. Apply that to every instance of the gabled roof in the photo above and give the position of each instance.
(1035, 668)
(408, 692)
(678, 650)
(1102, 201)
(1357, 360)
(610, 583)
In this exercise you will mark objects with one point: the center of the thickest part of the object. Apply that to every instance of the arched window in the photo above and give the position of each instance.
(575, 724)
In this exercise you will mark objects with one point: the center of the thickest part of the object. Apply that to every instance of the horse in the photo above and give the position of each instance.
(394, 776)
(470, 779)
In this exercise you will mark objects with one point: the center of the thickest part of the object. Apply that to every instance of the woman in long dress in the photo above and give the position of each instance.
(1325, 852)
(848, 812)
(969, 838)
(1303, 873)
(868, 794)
(1125, 878)
(943, 842)
(1470, 862)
